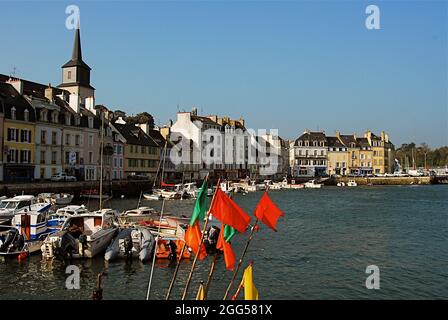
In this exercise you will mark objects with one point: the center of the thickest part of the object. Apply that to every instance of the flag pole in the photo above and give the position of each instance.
(240, 262)
(173, 280)
(210, 274)
(190, 275)
(170, 288)
(241, 284)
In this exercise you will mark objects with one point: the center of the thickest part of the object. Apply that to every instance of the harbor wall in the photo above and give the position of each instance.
(117, 188)
(382, 180)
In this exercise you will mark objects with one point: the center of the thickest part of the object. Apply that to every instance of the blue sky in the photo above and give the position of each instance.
(287, 65)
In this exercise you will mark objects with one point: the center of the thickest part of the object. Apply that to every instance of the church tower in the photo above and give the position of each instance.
(76, 73)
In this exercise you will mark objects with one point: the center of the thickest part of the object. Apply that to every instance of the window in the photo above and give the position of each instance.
(90, 140)
(13, 134)
(67, 120)
(143, 149)
(67, 139)
(26, 115)
(54, 137)
(25, 135)
(13, 155)
(77, 120)
(115, 162)
(121, 163)
(69, 75)
(54, 117)
(42, 157)
(53, 157)
(315, 143)
(90, 122)
(25, 156)
(77, 140)
(13, 113)
(132, 148)
(43, 137)
(90, 157)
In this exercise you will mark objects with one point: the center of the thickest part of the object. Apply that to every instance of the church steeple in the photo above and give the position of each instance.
(76, 73)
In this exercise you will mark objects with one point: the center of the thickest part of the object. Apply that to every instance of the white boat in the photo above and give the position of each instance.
(341, 184)
(26, 235)
(63, 198)
(166, 194)
(82, 236)
(191, 189)
(57, 219)
(9, 207)
(131, 242)
(352, 183)
(269, 184)
(312, 184)
(138, 214)
(151, 196)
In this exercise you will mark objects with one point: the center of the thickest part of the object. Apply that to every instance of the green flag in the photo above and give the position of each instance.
(229, 232)
(200, 207)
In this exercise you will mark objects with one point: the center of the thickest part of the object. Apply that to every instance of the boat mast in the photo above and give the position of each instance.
(101, 157)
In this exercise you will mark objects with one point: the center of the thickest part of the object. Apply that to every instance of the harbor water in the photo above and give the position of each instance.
(321, 250)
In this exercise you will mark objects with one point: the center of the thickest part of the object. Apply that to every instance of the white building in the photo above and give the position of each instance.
(308, 155)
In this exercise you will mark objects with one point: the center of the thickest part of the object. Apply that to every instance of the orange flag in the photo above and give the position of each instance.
(223, 245)
(193, 237)
(228, 212)
(267, 212)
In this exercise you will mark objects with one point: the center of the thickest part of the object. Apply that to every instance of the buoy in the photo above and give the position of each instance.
(22, 256)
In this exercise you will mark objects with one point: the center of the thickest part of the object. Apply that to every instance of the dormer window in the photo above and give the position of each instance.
(300, 143)
(307, 143)
(13, 113)
(43, 115)
(77, 120)
(321, 143)
(90, 122)
(26, 115)
(67, 120)
(69, 75)
(352, 145)
(54, 117)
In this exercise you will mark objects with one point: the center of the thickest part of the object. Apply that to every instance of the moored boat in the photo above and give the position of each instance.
(131, 242)
(9, 207)
(82, 236)
(312, 184)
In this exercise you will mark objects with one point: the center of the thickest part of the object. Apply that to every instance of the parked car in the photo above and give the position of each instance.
(62, 176)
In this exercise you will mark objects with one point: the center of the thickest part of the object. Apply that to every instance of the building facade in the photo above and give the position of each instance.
(337, 157)
(309, 155)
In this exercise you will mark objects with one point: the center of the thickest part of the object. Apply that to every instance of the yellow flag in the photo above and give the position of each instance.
(250, 292)
(201, 293)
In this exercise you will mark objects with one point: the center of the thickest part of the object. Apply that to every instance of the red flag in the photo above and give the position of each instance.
(223, 245)
(228, 212)
(193, 237)
(267, 212)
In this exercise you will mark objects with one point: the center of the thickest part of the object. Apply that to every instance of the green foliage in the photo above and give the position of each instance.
(434, 157)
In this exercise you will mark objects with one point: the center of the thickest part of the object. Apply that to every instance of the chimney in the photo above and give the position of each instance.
(383, 136)
(74, 103)
(194, 111)
(386, 137)
(144, 127)
(90, 105)
(120, 120)
(49, 93)
(17, 84)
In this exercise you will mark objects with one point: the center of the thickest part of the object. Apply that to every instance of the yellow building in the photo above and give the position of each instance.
(338, 157)
(18, 133)
(382, 150)
(141, 152)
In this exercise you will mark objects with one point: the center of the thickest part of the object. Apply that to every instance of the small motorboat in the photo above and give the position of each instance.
(151, 196)
(312, 184)
(167, 245)
(9, 207)
(82, 236)
(63, 198)
(137, 215)
(93, 194)
(352, 183)
(131, 242)
(341, 184)
(57, 219)
(26, 235)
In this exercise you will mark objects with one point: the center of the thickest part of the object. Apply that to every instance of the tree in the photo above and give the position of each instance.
(139, 118)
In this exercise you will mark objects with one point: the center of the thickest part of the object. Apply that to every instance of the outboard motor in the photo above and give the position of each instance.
(10, 237)
(83, 241)
(128, 245)
(173, 251)
(66, 246)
